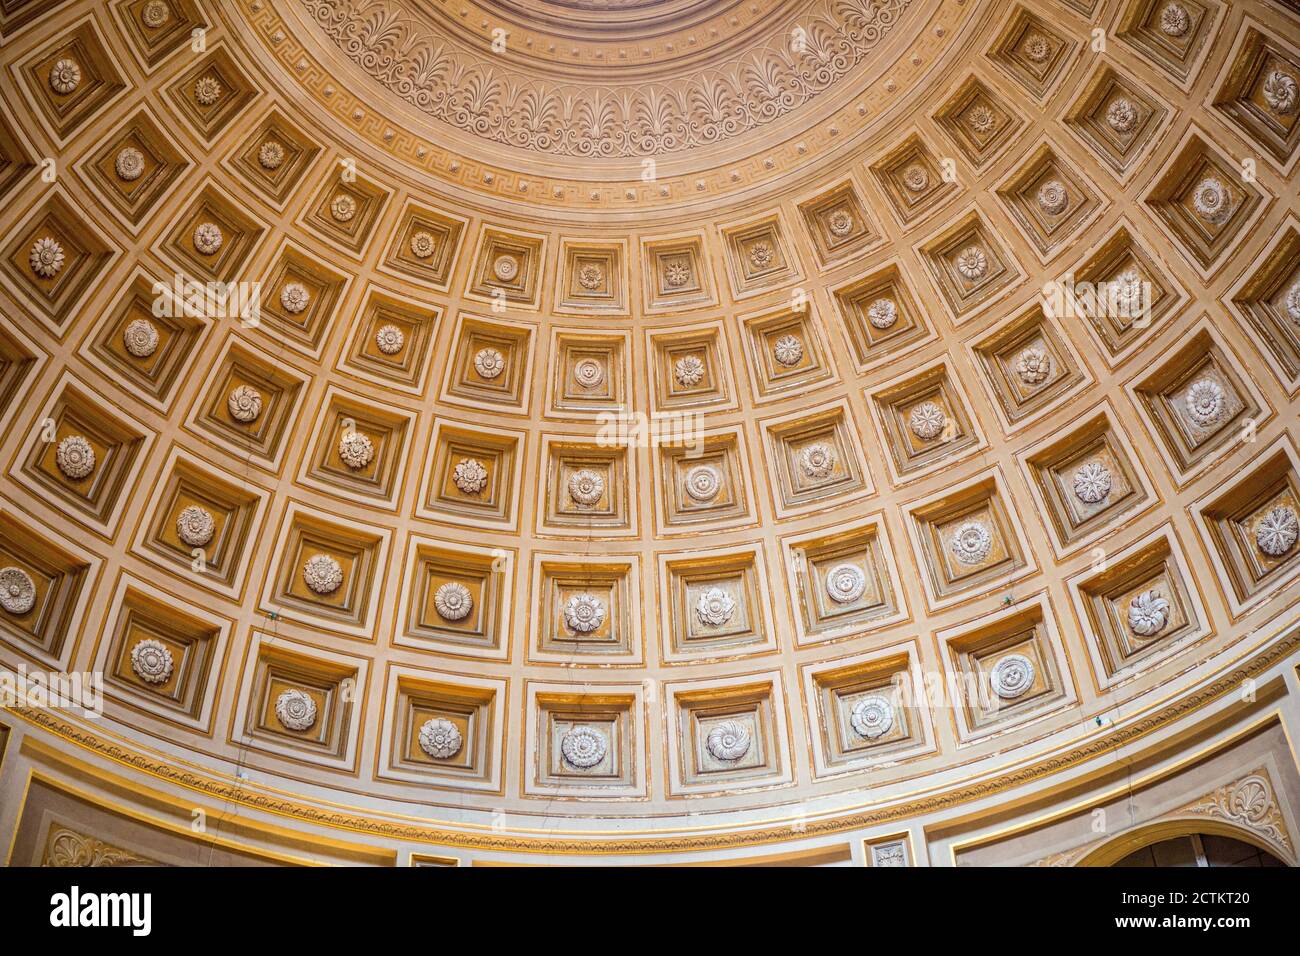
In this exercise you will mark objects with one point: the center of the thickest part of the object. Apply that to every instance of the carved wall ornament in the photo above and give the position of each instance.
(470, 476)
(971, 542)
(207, 90)
(927, 420)
(151, 661)
(244, 403)
(295, 710)
(754, 88)
(1092, 482)
(65, 76)
(505, 268)
(840, 222)
(1212, 201)
(295, 298)
(761, 254)
(75, 457)
(882, 313)
(677, 274)
(817, 460)
(1275, 533)
(389, 339)
(1012, 676)
(872, 717)
(343, 207)
(356, 449)
(1174, 20)
(1033, 366)
(715, 607)
(915, 178)
(583, 747)
(154, 14)
(1053, 198)
(17, 590)
(586, 486)
(788, 350)
(972, 262)
(1148, 613)
(46, 257)
(1251, 803)
(591, 276)
(422, 244)
(140, 338)
(583, 613)
(1280, 91)
(440, 738)
(728, 741)
(703, 482)
(1206, 402)
(1036, 48)
(489, 362)
(270, 155)
(208, 238)
(891, 855)
(845, 583)
(589, 373)
(1293, 302)
(322, 573)
(129, 164)
(688, 370)
(195, 526)
(981, 119)
(1122, 114)
(67, 848)
(453, 601)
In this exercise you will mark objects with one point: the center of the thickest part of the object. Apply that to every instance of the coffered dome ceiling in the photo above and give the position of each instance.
(584, 426)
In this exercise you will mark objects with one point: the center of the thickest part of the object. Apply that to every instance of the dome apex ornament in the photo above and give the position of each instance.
(151, 661)
(845, 583)
(972, 542)
(583, 747)
(75, 457)
(788, 350)
(440, 738)
(927, 421)
(489, 363)
(17, 591)
(207, 90)
(882, 313)
(65, 76)
(728, 741)
(1033, 366)
(244, 403)
(389, 339)
(689, 371)
(295, 710)
(972, 263)
(140, 338)
(586, 487)
(470, 476)
(343, 207)
(703, 483)
(1280, 92)
(129, 164)
(1122, 115)
(322, 574)
(356, 450)
(195, 526)
(1053, 198)
(1092, 482)
(46, 257)
(817, 460)
(583, 613)
(295, 298)
(715, 607)
(453, 601)
(589, 373)
(270, 155)
(872, 717)
(1012, 676)
(208, 238)
(1212, 201)
(1148, 613)
(1206, 402)
(1275, 533)
(1175, 20)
